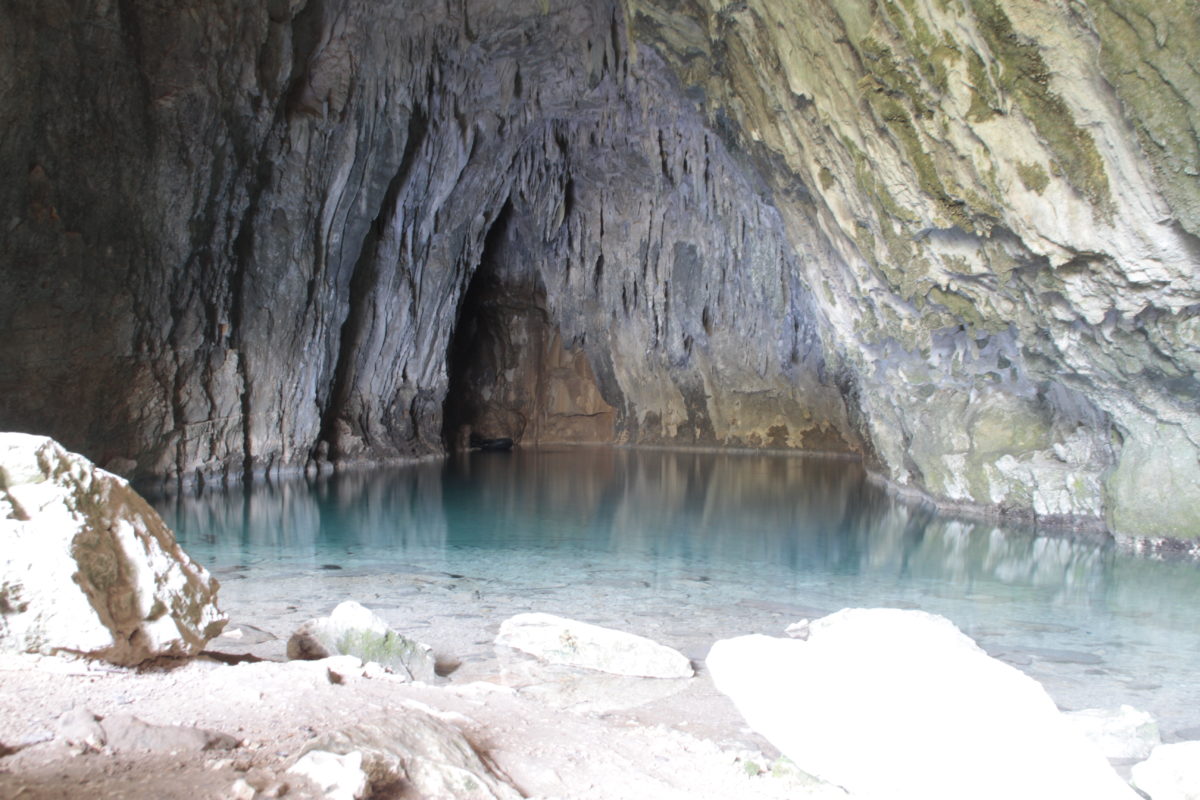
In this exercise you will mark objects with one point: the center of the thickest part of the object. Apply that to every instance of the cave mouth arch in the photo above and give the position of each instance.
(509, 373)
(491, 362)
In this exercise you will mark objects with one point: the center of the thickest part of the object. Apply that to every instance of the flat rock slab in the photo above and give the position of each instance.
(900, 705)
(125, 733)
(579, 644)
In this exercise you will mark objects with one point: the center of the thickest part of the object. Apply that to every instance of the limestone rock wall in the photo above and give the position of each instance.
(1013, 188)
(240, 242)
(957, 236)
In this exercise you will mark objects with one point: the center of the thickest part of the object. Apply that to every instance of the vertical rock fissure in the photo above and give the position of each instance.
(472, 339)
(363, 282)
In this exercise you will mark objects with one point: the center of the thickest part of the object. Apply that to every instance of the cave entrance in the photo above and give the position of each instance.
(509, 374)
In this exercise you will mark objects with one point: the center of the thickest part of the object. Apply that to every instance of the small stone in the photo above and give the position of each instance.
(80, 729)
(241, 790)
(275, 788)
(797, 630)
(266, 783)
(343, 669)
(339, 777)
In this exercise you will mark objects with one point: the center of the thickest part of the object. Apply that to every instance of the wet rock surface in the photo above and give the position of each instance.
(959, 240)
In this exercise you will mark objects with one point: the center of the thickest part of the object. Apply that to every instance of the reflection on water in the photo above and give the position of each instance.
(660, 509)
(759, 531)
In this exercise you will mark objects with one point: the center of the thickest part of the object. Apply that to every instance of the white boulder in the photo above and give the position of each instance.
(578, 644)
(1171, 773)
(87, 566)
(893, 704)
(354, 630)
(1120, 733)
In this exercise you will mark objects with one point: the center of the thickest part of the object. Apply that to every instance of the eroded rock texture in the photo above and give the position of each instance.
(957, 236)
(1011, 188)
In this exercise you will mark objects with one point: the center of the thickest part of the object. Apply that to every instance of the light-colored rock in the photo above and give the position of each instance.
(87, 566)
(241, 790)
(123, 733)
(339, 776)
(127, 733)
(1120, 733)
(355, 631)
(893, 704)
(579, 689)
(580, 644)
(80, 730)
(573, 643)
(1171, 773)
(797, 630)
(428, 754)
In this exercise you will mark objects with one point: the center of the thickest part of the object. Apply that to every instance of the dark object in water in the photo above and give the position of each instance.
(480, 443)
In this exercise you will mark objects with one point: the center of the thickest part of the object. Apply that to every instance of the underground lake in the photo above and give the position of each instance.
(690, 547)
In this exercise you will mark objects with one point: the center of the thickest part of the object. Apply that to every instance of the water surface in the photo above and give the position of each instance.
(688, 547)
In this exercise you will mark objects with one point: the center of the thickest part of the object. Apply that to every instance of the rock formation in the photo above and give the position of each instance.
(958, 238)
(87, 566)
(354, 630)
(909, 694)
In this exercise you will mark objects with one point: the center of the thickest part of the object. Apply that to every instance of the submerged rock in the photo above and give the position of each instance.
(1120, 733)
(355, 631)
(900, 704)
(1171, 773)
(579, 644)
(87, 566)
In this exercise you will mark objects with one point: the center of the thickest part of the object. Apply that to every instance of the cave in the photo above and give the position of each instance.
(478, 344)
(781, 302)
(509, 373)
(789, 248)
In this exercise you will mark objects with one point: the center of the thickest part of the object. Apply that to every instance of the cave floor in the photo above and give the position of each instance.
(1095, 627)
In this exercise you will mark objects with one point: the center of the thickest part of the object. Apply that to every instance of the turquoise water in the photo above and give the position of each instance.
(689, 547)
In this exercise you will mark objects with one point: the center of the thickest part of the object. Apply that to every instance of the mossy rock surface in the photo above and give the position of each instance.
(352, 630)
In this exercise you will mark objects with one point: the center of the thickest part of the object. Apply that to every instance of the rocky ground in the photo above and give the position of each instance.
(550, 731)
